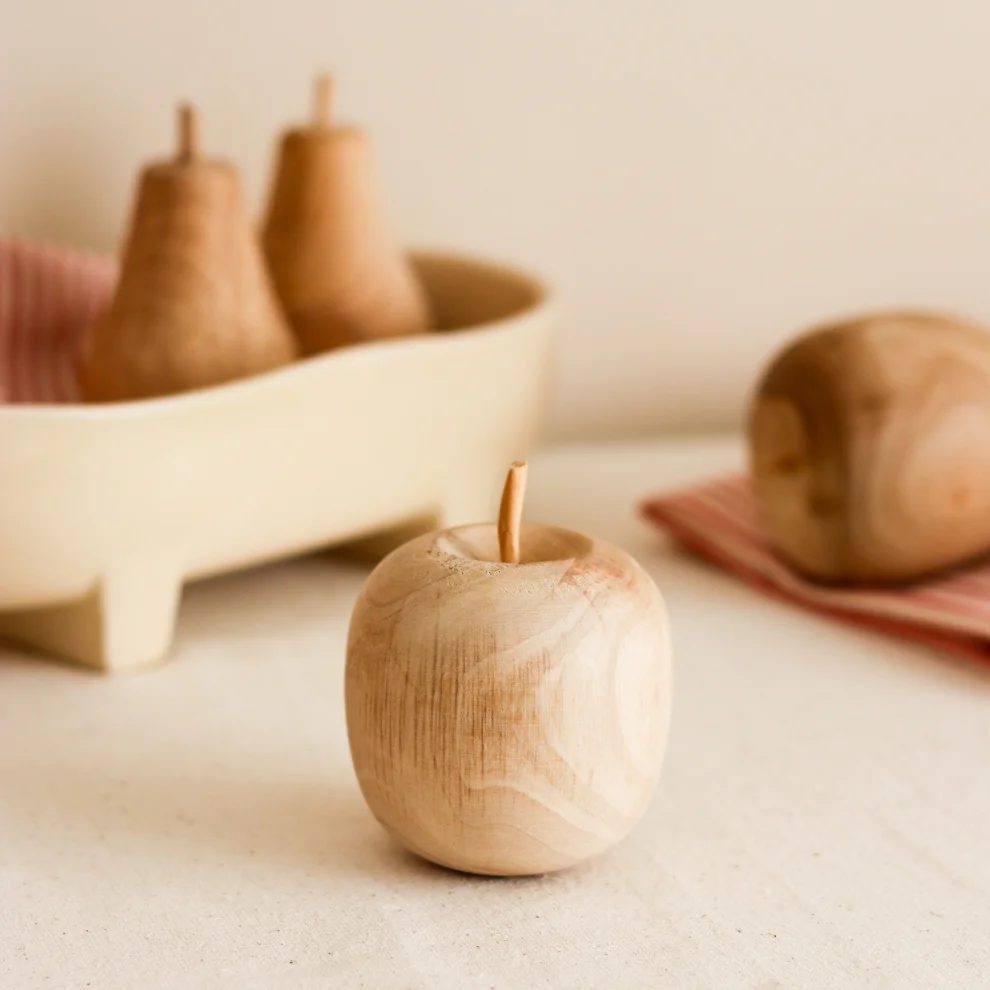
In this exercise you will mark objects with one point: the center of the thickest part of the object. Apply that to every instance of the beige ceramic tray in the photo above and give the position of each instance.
(108, 510)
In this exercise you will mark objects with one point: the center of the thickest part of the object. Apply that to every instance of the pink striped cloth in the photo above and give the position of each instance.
(50, 297)
(719, 521)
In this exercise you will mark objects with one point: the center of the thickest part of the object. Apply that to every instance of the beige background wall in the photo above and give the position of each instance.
(699, 178)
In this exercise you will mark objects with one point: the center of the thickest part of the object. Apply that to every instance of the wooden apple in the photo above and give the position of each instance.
(508, 709)
(869, 447)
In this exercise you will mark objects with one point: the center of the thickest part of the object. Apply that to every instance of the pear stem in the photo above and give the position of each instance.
(323, 100)
(188, 134)
(510, 512)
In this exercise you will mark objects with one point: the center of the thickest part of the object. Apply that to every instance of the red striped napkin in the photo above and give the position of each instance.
(719, 520)
(50, 297)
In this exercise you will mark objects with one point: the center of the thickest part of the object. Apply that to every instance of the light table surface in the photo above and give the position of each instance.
(822, 819)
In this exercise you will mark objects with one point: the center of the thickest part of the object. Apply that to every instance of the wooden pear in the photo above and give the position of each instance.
(194, 305)
(338, 275)
(870, 448)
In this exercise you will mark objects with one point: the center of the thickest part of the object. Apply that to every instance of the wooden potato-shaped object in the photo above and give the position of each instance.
(870, 448)
(508, 694)
(335, 268)
(194, 305)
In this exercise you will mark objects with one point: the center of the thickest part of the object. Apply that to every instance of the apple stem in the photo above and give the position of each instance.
(322, 102)
(510, 512)
(188, 133)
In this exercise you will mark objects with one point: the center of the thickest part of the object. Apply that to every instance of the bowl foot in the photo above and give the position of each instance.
(125, 623)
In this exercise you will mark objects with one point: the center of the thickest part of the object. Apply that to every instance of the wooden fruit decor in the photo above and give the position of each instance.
(194, 305)
(870, 448)
(335, 268)
(508, 710)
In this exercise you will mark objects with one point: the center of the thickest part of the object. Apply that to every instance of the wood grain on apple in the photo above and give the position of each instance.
(870, 447)
(508, 718)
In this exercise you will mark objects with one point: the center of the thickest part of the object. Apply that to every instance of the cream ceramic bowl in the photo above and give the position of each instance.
(108, 510)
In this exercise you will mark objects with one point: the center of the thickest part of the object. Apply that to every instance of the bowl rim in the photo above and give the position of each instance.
(542, 304)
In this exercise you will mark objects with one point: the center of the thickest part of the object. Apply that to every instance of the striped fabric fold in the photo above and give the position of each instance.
(719, 521)
(50, 298)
